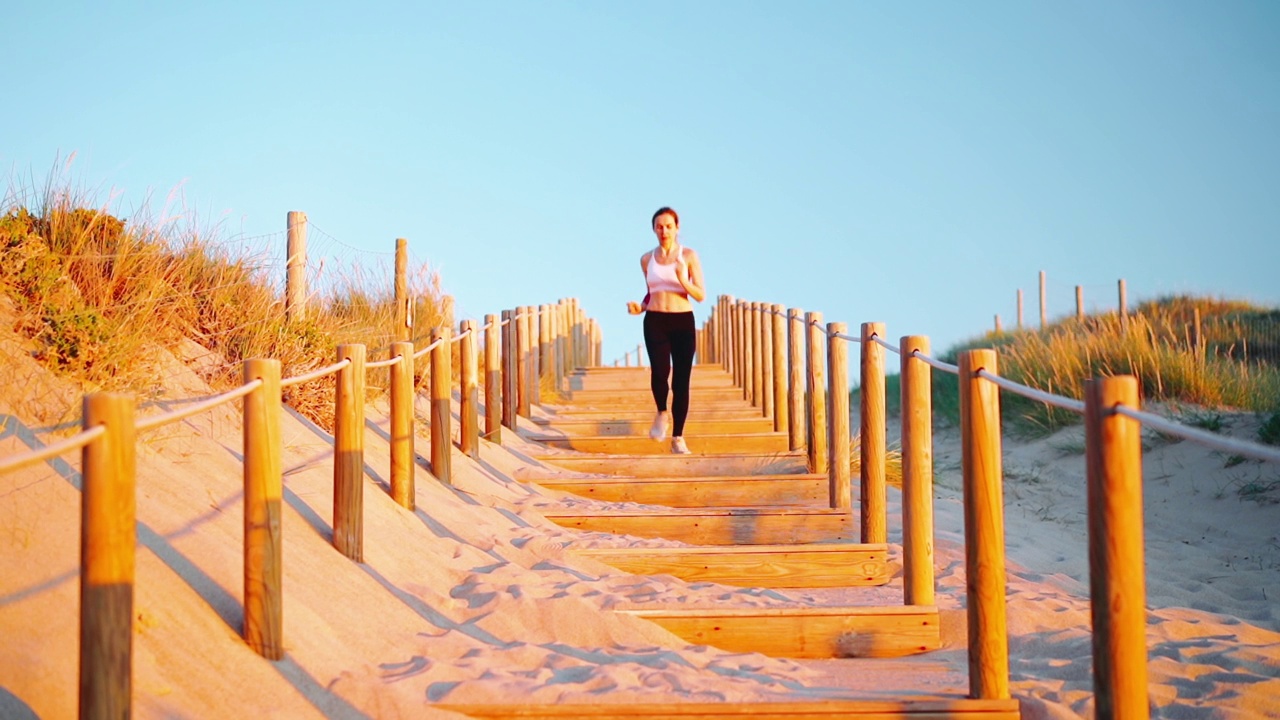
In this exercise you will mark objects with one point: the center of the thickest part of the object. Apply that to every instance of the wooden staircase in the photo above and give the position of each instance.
(752, 515)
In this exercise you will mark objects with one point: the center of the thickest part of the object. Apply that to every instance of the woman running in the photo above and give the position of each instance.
(672, 274)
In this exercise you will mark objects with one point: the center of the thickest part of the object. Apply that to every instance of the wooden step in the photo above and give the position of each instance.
(644, 414)
(694, 465)
(644, 445)
(643, 396)
(800, 489)
(640, 427)
(806, 632)
(921, 708)
(718, 526)
(773, 566)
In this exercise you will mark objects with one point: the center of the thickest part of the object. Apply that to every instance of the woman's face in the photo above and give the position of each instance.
(665, 228)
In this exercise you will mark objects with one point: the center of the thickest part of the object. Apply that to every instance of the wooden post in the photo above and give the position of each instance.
(403, 489)
(1019, 308)
(469, 424)
(766, 359)
(839, 491)
(742, 375)
(263, 446)
(492, 380)
(441, 417)
(404, 309)
(547, 363)
(1197, 341)
(749, 364)
(348, 451)
(778, 329)
(108, 541)
(875, 516)
(983, 527)
(508, 370)
(536, 361)
(523, 361)
(1080, 303)
(753, 313)
(917, 473)
(999, 327)
(796, 422)
(295, 279)
(1044, 304)
(1113, 451)
(815, 384)
(1123, 303)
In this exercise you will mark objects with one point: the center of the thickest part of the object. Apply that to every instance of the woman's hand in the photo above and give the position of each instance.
(634, 307)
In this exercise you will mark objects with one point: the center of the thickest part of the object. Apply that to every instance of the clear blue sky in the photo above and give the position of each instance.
(911, 163)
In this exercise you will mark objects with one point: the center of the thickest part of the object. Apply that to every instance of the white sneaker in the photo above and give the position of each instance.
(659, 430)
(678, 447)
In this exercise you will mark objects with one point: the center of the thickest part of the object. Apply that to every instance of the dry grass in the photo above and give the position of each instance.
(96, 294)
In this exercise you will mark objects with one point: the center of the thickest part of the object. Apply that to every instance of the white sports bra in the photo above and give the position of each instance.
(662, 278)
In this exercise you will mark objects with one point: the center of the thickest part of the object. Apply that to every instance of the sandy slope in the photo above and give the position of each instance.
(472, 597)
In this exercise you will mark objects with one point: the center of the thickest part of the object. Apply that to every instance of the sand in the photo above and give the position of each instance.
(473, 597)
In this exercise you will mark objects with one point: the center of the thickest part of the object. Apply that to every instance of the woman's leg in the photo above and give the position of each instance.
(658, 344)
(684, 341)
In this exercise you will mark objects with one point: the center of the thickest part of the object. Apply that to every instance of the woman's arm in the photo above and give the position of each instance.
(689, 273)
(633, 307)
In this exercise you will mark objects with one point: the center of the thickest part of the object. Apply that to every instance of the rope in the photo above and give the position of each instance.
(156, 421)
(460, 335)
(945, 367)
(876, 338)
(842, 336)
(427, 349)
(1203, 437)
(74, 442)
(290, 382)
(383, 363)
(1065, 403)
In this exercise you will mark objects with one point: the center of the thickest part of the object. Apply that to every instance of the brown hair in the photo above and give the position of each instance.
(664, 211)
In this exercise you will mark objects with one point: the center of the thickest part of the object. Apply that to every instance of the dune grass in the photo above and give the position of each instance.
(1235, 366)
(96, 294)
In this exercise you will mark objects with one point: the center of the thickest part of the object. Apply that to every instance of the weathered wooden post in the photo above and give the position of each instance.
(1113, 450)
(1044, 304)
(795, 379)
(757, 354)
(348, 451)
(1080, 303)
(492, 379)
(999, 327)
(404, 309)
(469, 393)
(441, 393)
(778, 345)
(875, 516)
(546, 358)
(766, 359)
(108, 541)
(263, 446)
(983, 527)
(1019, 308)
(917, 473)
(523, 360)
(815, 384)
(295, 279)
(403, 489)
(508, 370)
(1124, 303)
(743, 375)
(839, 491)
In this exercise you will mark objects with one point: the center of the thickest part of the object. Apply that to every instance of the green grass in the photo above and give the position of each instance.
(1153, 346)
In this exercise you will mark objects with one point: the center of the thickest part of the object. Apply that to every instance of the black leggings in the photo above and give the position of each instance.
(671, 339)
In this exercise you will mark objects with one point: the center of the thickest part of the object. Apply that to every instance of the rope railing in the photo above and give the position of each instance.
(738, 337)
(1204, 437)
(110, 428)
(155, 421)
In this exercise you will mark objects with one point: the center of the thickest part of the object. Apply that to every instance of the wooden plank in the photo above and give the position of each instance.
(640, 426)
(925, 708)
(803, 490)
(694, 465)
(806, 632)
(642, 395)
(723, 526)
(774, 566)
(642, 414)
(644, 445)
